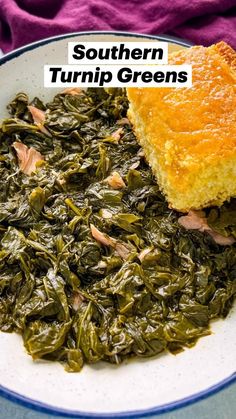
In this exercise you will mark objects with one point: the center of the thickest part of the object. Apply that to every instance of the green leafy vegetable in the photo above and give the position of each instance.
(95, 270)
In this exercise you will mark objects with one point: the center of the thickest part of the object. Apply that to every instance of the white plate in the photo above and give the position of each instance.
(136, 388)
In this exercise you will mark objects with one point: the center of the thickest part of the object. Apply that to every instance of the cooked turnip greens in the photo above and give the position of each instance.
(94, 265)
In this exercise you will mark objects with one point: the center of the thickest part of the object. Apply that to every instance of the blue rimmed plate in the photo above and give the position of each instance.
(136, 388)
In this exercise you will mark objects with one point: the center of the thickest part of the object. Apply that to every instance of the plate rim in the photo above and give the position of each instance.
(39, 406)
(33, 45)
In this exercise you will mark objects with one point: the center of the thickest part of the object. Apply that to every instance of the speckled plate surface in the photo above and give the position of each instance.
(136, 388)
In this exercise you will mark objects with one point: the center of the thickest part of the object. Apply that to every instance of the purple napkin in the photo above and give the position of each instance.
(200, 21)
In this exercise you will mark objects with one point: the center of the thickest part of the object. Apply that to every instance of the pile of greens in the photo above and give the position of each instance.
(72, 297)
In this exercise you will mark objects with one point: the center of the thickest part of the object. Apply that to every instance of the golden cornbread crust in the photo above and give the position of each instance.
(227, 53)
(189, 134)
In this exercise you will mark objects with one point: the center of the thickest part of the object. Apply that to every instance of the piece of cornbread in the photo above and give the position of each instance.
(189, 134)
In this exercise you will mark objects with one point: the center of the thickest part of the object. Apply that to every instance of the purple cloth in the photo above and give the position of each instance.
(200, 21)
